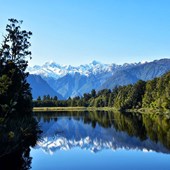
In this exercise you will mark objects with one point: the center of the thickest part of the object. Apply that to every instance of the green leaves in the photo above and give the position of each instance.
(15, 93)
(157, 93)
(15, 46)
(5, 82)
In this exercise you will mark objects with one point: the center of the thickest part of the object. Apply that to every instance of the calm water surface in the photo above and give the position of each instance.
(102, 140)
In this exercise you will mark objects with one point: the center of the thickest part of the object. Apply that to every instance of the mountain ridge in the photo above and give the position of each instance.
(147, 71)
(54, 70)
(39, 87)
(71, 81)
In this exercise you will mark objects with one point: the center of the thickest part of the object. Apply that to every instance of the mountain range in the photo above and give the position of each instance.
(40, 87)
(69, 81)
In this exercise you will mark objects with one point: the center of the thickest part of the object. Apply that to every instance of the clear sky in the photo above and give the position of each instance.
(78, 31)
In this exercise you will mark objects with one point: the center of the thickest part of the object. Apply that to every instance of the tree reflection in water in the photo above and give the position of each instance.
(155, 127)
(17, 135)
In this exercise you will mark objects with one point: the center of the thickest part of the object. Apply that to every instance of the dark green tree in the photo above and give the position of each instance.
(15, 46)
(15, 93)
(18, 127)
(55, 98)
(93, 93)
(39, 98)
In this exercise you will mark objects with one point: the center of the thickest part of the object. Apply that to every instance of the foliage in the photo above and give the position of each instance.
(16, 136)
(18, 127)
(151, 94)
(157, 94)
(15, 94)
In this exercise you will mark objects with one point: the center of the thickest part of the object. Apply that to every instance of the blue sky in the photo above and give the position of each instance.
(78, 31)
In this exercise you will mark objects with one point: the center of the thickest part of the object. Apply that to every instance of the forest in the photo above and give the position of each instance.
(153, 94)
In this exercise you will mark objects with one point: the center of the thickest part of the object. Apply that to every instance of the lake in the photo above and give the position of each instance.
(102, 140)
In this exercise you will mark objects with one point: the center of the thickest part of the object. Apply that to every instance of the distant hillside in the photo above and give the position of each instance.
(40, 87)
(75, 85)
(154, 94)
(145, 72)
(69, 81)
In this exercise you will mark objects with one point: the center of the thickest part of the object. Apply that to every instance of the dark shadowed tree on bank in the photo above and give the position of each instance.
(18, 128)
(15, 94)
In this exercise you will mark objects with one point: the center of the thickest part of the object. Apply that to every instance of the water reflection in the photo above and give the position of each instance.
(17, 135)
(96, 131)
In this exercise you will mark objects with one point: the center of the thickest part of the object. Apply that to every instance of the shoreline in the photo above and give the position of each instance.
(141, 110)
(45, 109)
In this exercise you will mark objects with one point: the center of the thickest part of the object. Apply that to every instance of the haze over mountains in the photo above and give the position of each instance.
(70, 81)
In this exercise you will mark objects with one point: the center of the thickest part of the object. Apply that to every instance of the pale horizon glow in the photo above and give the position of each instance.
(74, 32)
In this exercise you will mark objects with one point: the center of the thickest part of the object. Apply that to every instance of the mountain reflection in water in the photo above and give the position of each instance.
(96, 131)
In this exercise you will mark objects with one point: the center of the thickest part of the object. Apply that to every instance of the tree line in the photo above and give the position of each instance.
(143, 94)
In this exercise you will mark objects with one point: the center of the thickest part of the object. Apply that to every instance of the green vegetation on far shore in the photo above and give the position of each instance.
(153, 95)
(45, 109)
(89, 109)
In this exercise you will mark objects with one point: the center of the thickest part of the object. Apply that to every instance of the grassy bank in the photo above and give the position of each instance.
(141, 110)
(52, 109)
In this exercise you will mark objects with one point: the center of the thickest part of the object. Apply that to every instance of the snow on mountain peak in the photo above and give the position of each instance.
(54, 70)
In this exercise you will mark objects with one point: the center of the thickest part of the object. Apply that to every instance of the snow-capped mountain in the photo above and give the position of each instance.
(53, 70)
(71, 81)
